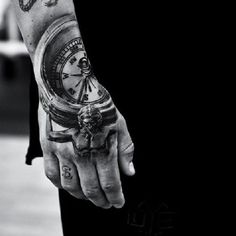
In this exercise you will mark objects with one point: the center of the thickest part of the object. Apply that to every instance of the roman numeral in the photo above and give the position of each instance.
(71, 91)
(65, 76)
(99, 93)
(73, 60)
(85, 97)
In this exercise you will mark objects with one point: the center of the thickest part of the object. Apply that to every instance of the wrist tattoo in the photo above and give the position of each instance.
(66, 172)
(26, 5)
(69, 91)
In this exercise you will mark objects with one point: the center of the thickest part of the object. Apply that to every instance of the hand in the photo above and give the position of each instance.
(96, 178)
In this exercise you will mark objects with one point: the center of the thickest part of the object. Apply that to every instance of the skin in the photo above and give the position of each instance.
(96, 175)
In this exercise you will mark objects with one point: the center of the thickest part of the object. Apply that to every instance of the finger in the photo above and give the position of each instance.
(70, 180)
(109, 176)
(125, 148)
(90, 183)
(51, 168)
(125, 160)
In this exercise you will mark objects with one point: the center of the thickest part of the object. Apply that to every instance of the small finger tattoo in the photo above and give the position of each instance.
(66, 172)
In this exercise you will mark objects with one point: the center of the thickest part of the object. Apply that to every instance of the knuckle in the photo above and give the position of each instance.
(120, 116)
(91, 192)
(111, 187)
(69, 188)
(127, 149)
(123, 122)
(52, 175)
(130, 147)
(80, 195)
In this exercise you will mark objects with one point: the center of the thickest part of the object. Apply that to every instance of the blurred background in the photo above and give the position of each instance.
(28, 202)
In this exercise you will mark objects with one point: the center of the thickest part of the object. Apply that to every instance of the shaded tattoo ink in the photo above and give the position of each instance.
(66, 172)
(71, 94)
(51, 3)
(26, 5)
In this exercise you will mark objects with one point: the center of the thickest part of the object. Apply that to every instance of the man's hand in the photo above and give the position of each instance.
(83, 153)
(95, 177)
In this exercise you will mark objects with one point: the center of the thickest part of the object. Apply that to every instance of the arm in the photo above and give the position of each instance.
(73, 97)
(3, 8)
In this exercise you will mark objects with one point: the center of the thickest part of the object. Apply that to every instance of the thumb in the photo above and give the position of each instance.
(125, 160)
(125, 149)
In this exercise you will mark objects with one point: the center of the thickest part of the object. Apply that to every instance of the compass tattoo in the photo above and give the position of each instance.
(70, 93)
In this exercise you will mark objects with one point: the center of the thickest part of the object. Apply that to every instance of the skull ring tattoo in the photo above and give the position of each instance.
(90, 120)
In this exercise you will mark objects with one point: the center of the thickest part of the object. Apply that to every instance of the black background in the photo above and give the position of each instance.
(149, 59)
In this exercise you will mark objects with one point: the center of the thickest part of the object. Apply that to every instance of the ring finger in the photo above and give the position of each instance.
(70, 180)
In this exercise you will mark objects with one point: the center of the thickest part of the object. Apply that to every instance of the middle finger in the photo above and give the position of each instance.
(89, 181)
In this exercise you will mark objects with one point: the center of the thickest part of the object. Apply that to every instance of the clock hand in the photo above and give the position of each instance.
(78, 83)
(75, 74)
(81, 91)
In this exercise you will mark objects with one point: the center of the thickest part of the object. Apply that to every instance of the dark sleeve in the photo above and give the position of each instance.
(34, 149)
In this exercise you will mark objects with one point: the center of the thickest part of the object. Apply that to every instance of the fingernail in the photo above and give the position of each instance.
(107, 206)
(118, 206)
(131, 168)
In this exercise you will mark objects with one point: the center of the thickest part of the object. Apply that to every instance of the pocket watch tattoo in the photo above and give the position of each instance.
(69, 91)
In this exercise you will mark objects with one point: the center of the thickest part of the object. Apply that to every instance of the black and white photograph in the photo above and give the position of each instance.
(94, 117)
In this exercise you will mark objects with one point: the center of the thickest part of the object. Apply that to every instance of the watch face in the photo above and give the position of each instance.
(72, 78)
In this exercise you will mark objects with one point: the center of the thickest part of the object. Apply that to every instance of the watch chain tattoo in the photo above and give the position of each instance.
(26, 5)
(70, 93)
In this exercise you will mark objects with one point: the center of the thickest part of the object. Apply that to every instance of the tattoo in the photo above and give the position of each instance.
(66, 172)
(26, 6)
(69, 91)
(51, 3)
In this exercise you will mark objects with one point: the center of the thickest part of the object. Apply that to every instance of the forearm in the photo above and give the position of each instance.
(35, 16)
(52, 36)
